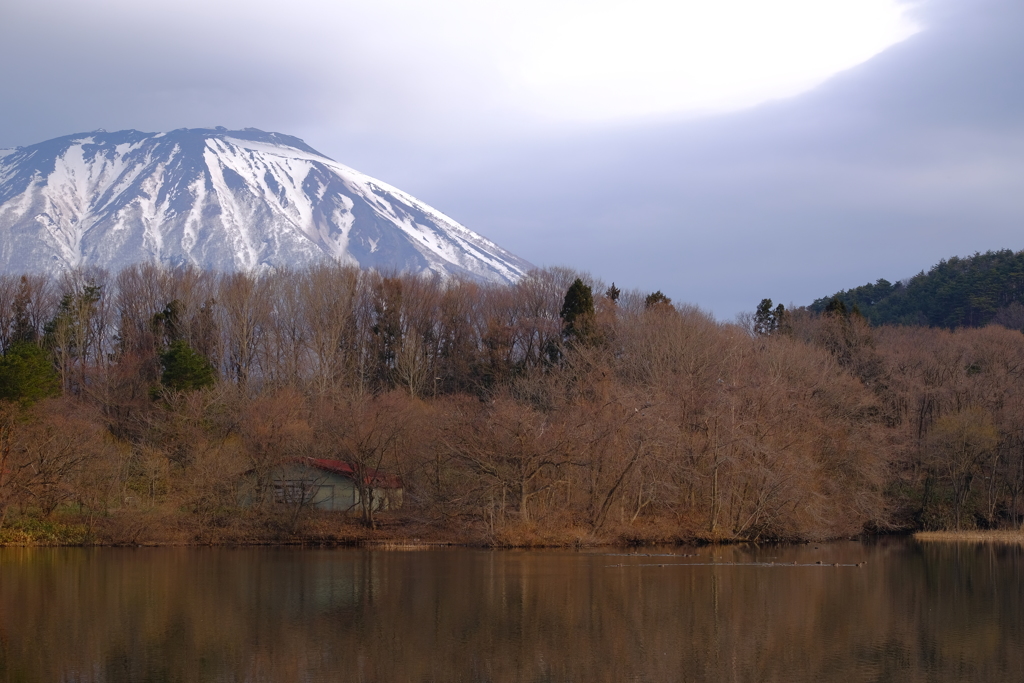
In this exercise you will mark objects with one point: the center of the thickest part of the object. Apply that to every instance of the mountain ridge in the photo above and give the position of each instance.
(221, 199)
(970, 291)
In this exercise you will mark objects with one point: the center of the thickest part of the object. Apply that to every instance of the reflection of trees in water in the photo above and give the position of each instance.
(912, 613)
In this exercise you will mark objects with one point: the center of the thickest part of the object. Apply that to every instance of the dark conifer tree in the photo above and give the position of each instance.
(781, 322)
(578, 312)
(27, 374)
(24, 330)
(656, 299)
(835, 307)
(184, 369)
(167, 323)
(768, 320)
(764, 318)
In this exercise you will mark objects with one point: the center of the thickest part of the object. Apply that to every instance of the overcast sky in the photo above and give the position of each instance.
(721, 152)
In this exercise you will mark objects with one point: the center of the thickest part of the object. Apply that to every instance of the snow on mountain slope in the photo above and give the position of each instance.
(219, 199)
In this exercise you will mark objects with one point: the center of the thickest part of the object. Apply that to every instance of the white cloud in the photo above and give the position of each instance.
(609, 59)
(444, 67)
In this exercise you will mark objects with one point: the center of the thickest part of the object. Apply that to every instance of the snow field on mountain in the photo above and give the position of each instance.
(227, 200)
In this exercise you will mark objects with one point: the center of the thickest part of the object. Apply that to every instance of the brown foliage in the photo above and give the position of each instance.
(371, 433)
(669, 425)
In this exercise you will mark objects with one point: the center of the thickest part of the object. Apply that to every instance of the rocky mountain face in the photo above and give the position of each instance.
(223, 200)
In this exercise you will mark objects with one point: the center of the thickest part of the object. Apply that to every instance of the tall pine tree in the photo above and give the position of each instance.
(578, 324)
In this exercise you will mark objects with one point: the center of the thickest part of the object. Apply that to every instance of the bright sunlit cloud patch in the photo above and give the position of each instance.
(604, 59)
(447, 66)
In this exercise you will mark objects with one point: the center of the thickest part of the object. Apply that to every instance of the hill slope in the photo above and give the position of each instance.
(958, 292)
(219, 199)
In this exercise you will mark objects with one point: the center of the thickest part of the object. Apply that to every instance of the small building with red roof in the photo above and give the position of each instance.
(334, 485)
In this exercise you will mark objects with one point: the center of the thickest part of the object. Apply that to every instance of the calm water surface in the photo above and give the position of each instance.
(911, 613)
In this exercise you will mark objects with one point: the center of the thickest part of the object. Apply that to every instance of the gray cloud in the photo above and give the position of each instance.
(911, 157)
(908, 158)
(164, 65)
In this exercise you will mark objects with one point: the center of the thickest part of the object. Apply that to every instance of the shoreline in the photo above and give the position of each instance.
(394, 532)
(391, 534)
(378, 539)
(1004, 536)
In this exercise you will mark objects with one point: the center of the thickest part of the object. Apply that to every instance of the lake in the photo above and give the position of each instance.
(910, 612)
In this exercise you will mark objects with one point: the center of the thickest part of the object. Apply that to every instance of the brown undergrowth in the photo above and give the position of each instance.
(512, 415)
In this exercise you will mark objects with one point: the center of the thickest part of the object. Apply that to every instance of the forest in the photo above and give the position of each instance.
(958, 292)
(135, 407)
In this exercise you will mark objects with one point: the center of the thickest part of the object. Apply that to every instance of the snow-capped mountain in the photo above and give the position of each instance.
(219, 199)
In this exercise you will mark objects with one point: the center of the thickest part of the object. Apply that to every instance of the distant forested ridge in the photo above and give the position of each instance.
(960, 292)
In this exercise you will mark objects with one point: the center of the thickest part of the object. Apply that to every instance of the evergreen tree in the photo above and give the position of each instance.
(26, 374)
(71, 324)
(656, 299)
(167, 323)
(184, 369)
(835, 307)
(71, 336)
(578, 312)
(24, 330)
(613, 293)
(768, 320)
(782, 322)
(956, 292)
(764, 318)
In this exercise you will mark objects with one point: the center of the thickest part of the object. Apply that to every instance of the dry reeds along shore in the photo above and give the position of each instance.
(1015, 536)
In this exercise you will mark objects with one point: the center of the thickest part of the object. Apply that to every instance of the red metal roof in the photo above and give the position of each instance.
(376, 478)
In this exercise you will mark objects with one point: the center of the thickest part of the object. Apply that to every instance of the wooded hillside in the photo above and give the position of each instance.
(557, 410)
(959, 292)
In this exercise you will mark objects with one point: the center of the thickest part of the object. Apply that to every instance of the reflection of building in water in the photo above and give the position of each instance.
(327, 485)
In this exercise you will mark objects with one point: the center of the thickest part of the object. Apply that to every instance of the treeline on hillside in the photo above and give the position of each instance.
(138, 406)
(961, 292)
